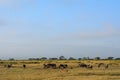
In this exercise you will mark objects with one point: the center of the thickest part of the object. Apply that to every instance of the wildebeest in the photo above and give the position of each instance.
(89, 66)
(24, 66)
(83, 65)
(99, 64)
(49, 66)
(63, 66)
(5, 65)
(9, 66)
(106, 66)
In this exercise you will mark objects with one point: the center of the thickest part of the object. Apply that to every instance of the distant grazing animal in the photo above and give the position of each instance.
(49, 66)
(63, 66)
(24, 66)
(83, 65)
(9, 66)
(90, 66)
(45, 66)
(99, 64)
(5, 65)
(106, 66)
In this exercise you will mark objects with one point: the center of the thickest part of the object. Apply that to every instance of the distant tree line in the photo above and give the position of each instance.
(70, 58)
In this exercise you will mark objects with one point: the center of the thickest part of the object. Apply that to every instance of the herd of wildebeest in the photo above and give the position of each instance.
(65, 66)
(82, 65)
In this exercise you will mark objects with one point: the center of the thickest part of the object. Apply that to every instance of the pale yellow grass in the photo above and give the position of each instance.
(36, 72)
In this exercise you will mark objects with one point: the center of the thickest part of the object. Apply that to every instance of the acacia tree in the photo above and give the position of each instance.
(71, 58)
(110, 58)
(43, 58)
(97, 58)
(11, 59)
(62, 58)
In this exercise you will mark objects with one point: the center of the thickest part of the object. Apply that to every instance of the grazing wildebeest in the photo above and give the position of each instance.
(49, 66)
(5, 65)
(9, 66)
(24, 66)
(45, 65)
(99, 65)
(106, 66)
(83, 65)
(63, 66)
(89, 66)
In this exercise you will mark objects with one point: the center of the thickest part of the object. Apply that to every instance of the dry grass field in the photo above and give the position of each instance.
(34, 70)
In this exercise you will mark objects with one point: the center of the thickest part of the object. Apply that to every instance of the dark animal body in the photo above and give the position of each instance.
(50, 66)
(63, 66)
(83, 65)
(106, 66)
(89, 66)
(8, 66)
(24, 66)
(100, 64)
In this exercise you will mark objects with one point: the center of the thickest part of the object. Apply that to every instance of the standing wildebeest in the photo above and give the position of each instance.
(83, 65)
(63, 66)
(9, 66)
(49, 66)
(24, 66)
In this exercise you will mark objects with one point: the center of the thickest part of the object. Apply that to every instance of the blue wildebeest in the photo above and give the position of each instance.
(106, 66)
(63, 66)
(49, 66)
(24, 66)
(100, 64)
(9, 65)
(89, 66)
(83, 65)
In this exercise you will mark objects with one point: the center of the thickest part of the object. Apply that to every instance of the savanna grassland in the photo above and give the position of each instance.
(34, 70)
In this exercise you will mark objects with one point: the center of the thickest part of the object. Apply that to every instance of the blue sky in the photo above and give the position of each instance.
(51, 28)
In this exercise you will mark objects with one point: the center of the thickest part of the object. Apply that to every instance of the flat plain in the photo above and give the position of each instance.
(34, 70)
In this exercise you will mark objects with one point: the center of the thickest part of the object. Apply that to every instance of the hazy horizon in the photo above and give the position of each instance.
(53, 28)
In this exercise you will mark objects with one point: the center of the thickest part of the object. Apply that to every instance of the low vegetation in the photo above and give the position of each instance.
(34, 70)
